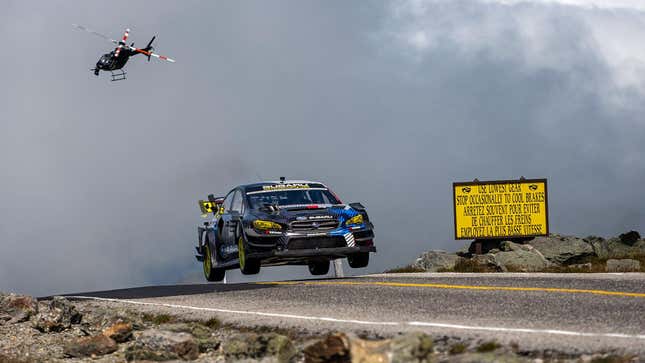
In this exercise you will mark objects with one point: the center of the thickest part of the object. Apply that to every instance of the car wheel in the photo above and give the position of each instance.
(359, 260)
(211, 273)
(248, 266)
(319, 267)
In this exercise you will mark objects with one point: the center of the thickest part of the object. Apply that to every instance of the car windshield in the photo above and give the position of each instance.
(291, 197)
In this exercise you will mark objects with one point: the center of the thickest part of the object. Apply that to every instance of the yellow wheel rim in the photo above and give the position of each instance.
(207, 261)
(240, 251)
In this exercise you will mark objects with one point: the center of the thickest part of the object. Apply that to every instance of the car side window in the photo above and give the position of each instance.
(237, 202)
(228, 201)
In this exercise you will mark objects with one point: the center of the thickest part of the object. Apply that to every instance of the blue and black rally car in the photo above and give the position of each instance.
(282, 223)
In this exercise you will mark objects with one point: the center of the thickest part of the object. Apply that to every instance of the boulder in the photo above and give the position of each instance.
(159, 345)
(563, 250)
(103, 317)
(463, 251)
(204, 336)
(508, 246)
(333, 348)
(411, 347)
(519, 258)
(599, 246)
(255, 346)
(120, 332)
(617, 249)
(629, 238)
(58, 315)
(487, 245)
(369, 351)
(90, 346)
(623, 265)
(481, 263)
(17, 308)
(435, 260)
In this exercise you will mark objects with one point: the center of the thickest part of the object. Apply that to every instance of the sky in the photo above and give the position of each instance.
(387, 102)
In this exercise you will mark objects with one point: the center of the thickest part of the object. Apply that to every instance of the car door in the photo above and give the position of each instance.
(235, 216)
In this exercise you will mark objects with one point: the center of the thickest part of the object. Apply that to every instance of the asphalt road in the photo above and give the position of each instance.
(566, 312)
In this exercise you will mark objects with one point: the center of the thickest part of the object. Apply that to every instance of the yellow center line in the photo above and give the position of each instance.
(462, 287)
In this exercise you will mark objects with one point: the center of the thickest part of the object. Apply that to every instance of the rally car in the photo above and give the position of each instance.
(281, 223)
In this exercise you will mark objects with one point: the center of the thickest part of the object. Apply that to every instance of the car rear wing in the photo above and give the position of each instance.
(212, 205)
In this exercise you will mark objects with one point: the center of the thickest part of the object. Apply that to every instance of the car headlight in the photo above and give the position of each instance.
(357, 219)
(265, 225)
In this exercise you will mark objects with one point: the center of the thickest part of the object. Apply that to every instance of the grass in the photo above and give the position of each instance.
(158, 319)
(613, 359)
(457, 348)
(212, 323)
(488, 346)
(404, 269)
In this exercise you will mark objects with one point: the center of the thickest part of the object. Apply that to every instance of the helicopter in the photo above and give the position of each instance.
(115, 60)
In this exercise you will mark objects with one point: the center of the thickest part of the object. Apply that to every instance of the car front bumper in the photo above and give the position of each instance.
(337, 252)
(296, 240)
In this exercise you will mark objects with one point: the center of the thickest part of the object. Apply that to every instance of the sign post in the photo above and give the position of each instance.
(500, 209)
(338, 268)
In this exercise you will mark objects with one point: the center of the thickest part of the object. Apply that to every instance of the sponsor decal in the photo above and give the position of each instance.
(349, 238)
(318, 217)
(229, 249)
(286, 186)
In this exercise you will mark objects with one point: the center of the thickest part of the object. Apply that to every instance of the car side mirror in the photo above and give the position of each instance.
(357, 206)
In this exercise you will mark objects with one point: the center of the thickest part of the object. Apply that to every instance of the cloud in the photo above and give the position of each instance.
(587, 4)
(607, 31)
(387, 103)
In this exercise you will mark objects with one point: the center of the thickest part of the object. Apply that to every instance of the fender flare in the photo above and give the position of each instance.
(210, 237)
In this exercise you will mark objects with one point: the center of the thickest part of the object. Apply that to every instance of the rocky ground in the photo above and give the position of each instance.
(554, 253)
(59, 330)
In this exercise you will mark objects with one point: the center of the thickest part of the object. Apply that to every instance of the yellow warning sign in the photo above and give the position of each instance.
(501, 209)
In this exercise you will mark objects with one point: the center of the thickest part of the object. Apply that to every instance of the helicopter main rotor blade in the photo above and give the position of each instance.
(162, 57)
(122, 42)
(95, 33)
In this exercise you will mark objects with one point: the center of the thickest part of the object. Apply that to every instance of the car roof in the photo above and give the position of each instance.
(277, 182)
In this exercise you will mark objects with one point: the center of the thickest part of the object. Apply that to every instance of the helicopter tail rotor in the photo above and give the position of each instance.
(147, 51)
(149, 47)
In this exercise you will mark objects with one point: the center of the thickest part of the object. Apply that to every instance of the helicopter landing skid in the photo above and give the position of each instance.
(118, 76)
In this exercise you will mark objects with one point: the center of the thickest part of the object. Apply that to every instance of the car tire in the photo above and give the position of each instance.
(211, 273)
(359, 260)
(319, 267)
(248, 266)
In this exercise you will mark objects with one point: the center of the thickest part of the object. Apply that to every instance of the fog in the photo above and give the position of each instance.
(386, 102)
